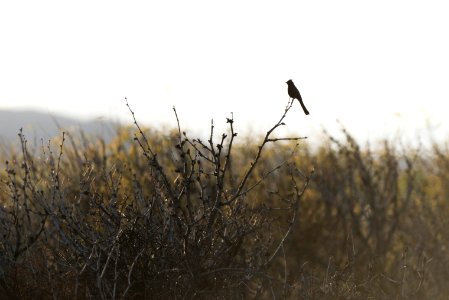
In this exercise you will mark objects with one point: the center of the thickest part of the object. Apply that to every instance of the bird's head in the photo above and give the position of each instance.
(289, 82)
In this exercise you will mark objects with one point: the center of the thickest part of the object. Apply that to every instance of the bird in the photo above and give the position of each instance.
(294, 93)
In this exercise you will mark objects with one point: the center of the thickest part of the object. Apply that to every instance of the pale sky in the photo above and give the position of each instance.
(380, 67)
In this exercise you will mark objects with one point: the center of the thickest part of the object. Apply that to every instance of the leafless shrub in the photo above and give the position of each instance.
(163, 215)
(96, 223)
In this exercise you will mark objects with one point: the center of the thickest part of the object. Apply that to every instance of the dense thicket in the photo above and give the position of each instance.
(156, 214)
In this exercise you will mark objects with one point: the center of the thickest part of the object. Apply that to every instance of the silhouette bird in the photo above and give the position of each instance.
(294, 93)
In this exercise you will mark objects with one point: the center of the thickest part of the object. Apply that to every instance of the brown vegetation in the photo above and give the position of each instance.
(156, 215)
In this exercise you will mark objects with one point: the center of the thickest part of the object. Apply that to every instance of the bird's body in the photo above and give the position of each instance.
(294, 93)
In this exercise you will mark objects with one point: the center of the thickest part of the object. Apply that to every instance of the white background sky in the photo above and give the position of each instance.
(380, 67)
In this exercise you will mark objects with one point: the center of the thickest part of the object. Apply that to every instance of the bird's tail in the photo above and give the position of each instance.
(303, 107)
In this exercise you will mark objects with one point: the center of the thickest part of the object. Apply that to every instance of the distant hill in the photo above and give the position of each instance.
(38, 125)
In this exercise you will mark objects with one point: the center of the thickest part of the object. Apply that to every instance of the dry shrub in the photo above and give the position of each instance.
(158, 217)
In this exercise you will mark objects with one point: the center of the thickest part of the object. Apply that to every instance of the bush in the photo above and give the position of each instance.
(156, 214)
(160, 217)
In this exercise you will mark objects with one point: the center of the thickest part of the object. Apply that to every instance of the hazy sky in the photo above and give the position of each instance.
(380, 67)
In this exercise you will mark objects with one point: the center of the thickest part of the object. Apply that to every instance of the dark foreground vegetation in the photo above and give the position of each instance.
(160, 215)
